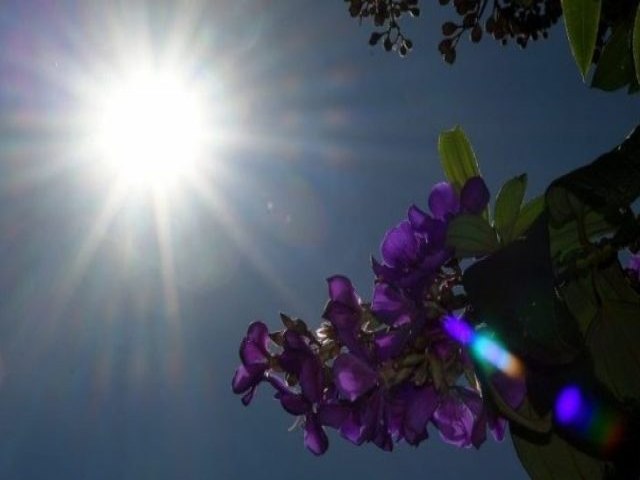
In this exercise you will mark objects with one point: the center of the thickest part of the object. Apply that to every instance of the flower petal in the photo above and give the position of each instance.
(417, 218)
(247, 377)
(311, 379)
(497, 426)
(421, 405)
(400, 246)
(293, 403)
(352, 428)
(390, 344)
(315, 438)
(511, 389)
(390, 305)
(474, 196)
(352, 376)
(341, 290)
(333, 415)
(634, 264)
(443, 200)
(454, 420)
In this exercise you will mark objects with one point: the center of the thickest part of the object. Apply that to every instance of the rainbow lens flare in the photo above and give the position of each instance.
(483, 347)
(575, 410)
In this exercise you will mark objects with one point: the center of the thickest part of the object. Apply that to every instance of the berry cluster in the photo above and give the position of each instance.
(521, 21)
(386, 14)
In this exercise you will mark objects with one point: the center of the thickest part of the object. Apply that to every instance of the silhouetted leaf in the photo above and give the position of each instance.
(610, 182)
(512, 291)
(615, 68)
(614, 336)
(471, 236)
(636, 47)
(567, 239)
(553, 458)
(581, 18)
(592, 200)
(528, 214)
(507, 207)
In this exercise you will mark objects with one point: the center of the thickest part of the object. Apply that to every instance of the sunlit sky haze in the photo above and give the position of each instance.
(122, 307)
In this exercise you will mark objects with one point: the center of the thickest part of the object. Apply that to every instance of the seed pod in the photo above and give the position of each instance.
(476, 34)
(388, 44)
(449, 28)
(450, 56)
(374, 38)
(469, 20)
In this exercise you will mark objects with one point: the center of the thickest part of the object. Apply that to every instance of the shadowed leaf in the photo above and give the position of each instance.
(507, 207)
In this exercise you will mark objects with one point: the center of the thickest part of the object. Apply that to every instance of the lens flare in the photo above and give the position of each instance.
(570, 406)
(584, 416)
(482, 346)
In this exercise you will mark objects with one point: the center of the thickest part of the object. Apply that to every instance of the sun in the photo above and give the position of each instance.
(149, 128)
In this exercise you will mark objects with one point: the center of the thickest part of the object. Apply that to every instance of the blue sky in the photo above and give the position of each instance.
(333, 140)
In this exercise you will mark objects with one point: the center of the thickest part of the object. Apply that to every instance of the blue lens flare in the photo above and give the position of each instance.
(570, 406)
(459, 329)
(482, 347)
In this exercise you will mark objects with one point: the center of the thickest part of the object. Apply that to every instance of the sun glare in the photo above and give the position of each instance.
(149, 128)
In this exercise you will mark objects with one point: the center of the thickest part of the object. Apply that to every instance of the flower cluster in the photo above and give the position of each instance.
(380, 372)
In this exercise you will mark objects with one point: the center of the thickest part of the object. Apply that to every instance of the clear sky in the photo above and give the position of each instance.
(119, 330)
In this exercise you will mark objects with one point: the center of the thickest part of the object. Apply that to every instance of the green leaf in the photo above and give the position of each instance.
(566, 239)
(614, 335)
(636, 45)
(471, 236)
(512, 291)
(550, 457)
(507, 207)
(528, 214)
(615, 67)
(456, 155)
(581, 18)
(606, 185)
(579, 299)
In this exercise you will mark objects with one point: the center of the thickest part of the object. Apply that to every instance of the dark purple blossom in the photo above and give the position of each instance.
(380, 373)
(443, 201)
(402, 248)
(634, 265)
(391, 305)
(255, 361)
(344, 312)
(410, 410)
(459, 417)
(408, 260)
(299, 404)
(353, 376)
(474, 196)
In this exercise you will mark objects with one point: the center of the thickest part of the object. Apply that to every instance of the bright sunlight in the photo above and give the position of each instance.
(149, 128)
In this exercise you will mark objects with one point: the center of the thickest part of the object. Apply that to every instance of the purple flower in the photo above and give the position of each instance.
(389, 344)
(391, 306)
(402, 248)
(410, 410)
(443, 201)
(255, 361)
(353, 377)
(474, 196)
(299, 404)
(345, 313)
(460, 417)
(299, 360)
(434, 229)
(408, 261)
(634, 265)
